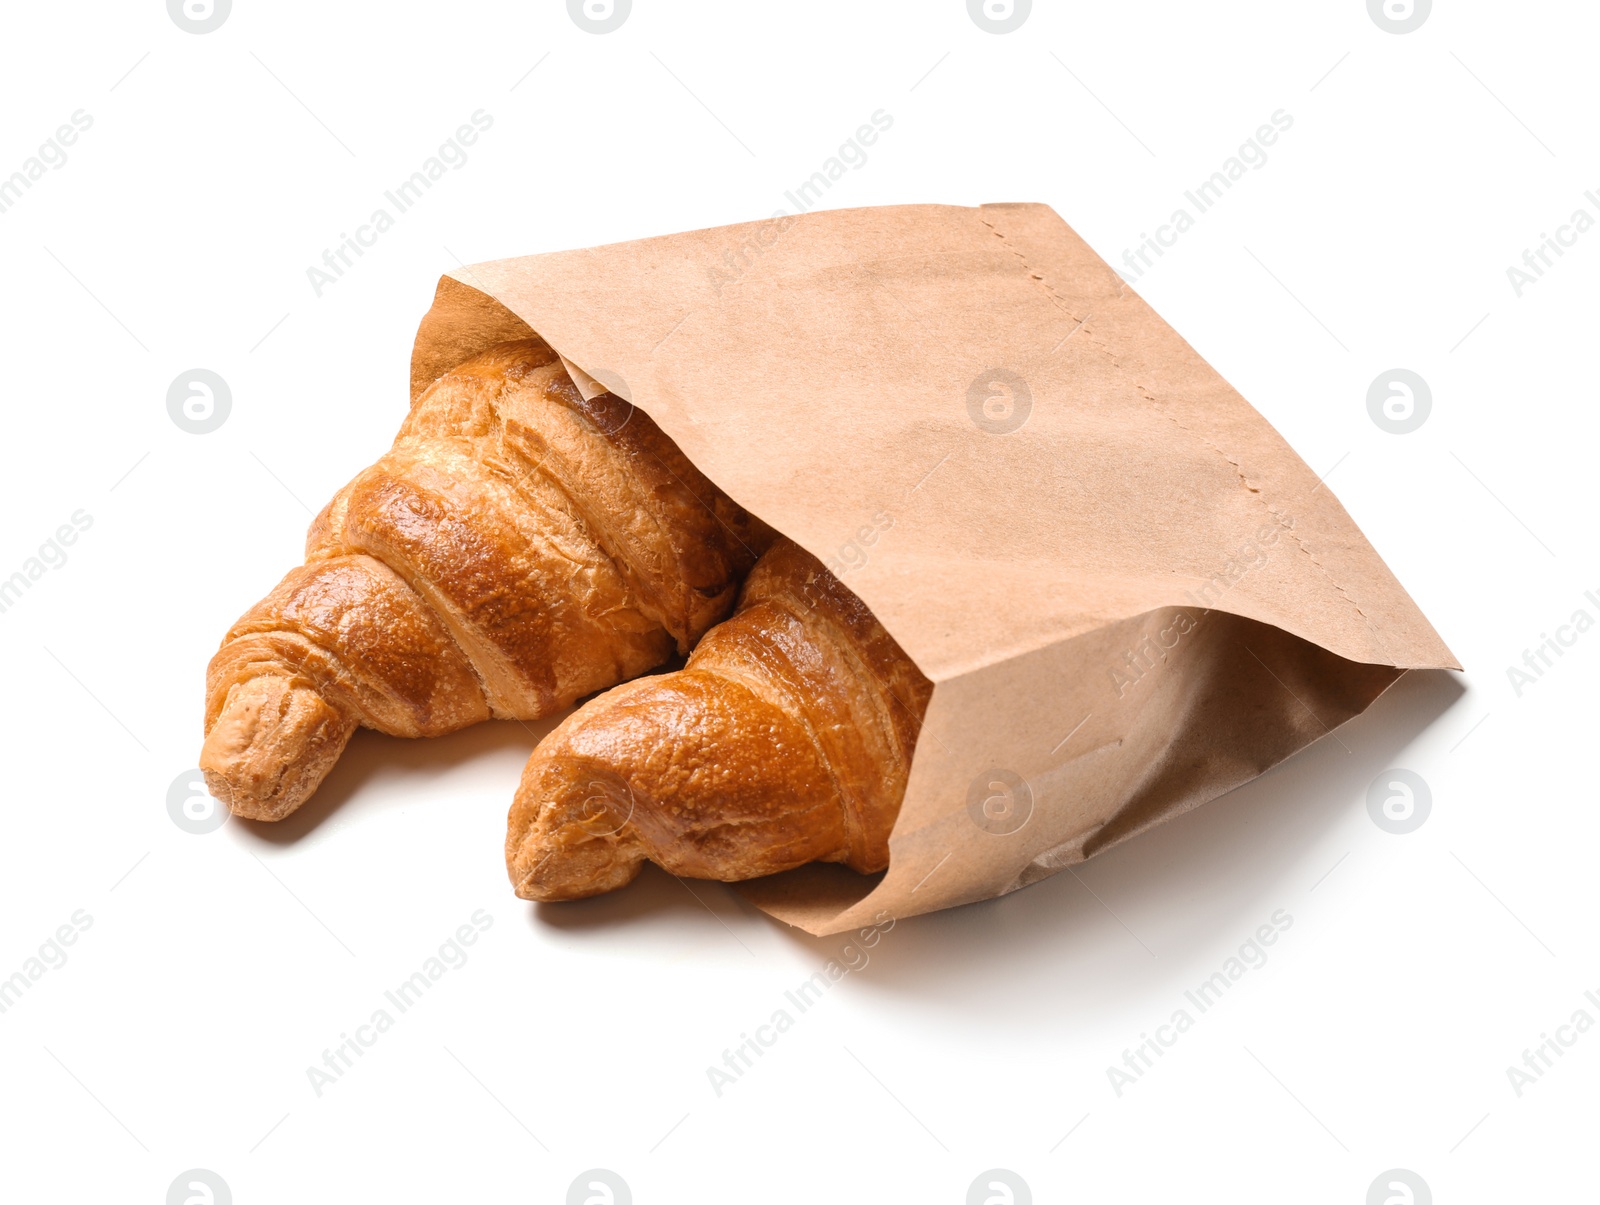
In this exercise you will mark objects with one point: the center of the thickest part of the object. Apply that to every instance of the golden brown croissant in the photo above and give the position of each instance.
(517, 548)
(786, 739)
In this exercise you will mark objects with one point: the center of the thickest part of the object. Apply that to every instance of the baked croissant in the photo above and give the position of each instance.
(517, 548)
(786, 739)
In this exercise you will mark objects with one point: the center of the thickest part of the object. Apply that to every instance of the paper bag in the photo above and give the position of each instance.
(1131, 595)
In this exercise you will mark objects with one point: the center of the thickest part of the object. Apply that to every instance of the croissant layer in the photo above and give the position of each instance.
(787, 738)
(518, 547)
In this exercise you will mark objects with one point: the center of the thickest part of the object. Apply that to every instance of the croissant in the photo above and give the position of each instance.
(786, 738)
(517, 548)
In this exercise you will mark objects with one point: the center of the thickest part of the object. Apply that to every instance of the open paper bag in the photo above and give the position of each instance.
(1132, 596)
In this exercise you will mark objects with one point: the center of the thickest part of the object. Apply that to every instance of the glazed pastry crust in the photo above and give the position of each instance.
(518, 547)
(786, 739)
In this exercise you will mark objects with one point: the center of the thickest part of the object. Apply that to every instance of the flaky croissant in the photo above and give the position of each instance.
(786, 739)
(517, 548)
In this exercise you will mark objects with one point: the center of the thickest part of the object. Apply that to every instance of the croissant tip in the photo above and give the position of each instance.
(248, 804)
(558, 889)
(526, 866)
(547, 870)
(527, 888)
(270, 746)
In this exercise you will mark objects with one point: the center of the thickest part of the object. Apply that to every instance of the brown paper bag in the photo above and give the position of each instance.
(1131, 595)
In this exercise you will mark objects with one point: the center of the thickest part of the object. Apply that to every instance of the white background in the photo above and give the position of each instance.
(217, 968)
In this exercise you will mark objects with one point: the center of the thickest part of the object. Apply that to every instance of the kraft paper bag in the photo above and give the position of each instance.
(1130, 593)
